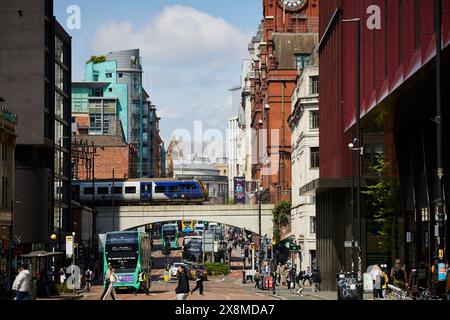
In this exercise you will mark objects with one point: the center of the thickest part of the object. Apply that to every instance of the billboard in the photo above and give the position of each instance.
(239, 190)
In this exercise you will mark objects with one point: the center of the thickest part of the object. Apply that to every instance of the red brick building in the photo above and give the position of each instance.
(398, 104)
(289, 28)
(112, 152)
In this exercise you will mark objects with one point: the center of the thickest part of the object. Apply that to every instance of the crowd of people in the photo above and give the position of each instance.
(289, 278)
(421, 282)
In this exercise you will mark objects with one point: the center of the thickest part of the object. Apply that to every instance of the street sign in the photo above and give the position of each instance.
(441, 253)
(69, 246)
(252, 245)
(294, 248)
(348, 244)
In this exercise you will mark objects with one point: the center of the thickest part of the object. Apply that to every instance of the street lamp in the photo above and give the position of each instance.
(260, 192)
(356, 146)
(53, 237)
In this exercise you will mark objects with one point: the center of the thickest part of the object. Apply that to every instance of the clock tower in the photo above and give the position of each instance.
(289, 33)
(291, 15)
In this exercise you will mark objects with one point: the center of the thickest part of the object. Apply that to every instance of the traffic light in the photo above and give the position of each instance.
(269, 252)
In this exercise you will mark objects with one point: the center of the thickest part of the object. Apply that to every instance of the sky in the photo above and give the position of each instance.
(192, 51)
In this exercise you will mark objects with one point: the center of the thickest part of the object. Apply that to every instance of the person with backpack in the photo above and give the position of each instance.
(316, 279)
(399, 275)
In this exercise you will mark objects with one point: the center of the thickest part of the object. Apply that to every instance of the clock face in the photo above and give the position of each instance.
(293, 5)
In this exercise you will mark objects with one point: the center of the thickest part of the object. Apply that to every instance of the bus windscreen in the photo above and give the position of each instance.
(122, 251)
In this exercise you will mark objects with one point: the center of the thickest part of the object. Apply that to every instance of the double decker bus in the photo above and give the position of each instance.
(193, 250)
(129, 252)
(169, 235)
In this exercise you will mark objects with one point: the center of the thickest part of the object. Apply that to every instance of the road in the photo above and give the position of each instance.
(228, 287)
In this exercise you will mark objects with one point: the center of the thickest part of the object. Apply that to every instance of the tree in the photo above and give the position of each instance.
(96, 59)
(383, 204)
(281, 215)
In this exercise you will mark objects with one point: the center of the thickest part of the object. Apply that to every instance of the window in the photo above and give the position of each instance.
(302, 60)
(120, 75)
(96, 92)
(59, 48)
(314, 119)
(109, 75)
(160, 189)
(88, 190)
(314, 158)
(109, 89)
(117, 190)
(312, 225)
(59, 77)
(5, 151)
(5, 185)
(103, 190)
(130, 190)
(314, 83)
(59, 105)
(174, 189)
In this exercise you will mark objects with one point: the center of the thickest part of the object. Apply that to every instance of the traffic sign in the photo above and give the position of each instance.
(294, 247)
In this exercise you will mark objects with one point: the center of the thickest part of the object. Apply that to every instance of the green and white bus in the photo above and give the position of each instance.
(169, 233)
(129, 252)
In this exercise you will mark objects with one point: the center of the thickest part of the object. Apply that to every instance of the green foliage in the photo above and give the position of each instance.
(216, 269)
(383, 204)
(281, 215)
(96, 59)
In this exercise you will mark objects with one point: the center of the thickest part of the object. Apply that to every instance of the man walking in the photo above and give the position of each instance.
(88, 278)
(22, 283)
(199, 282)
(182, 290)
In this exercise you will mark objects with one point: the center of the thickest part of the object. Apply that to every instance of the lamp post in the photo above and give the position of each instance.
(53, 237)
(260, 189)
(73, 259)
(439, 202)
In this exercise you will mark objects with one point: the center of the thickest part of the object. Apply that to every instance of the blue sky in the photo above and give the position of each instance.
(192, 51)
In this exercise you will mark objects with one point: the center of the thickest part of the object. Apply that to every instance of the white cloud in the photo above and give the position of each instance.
(178, 34)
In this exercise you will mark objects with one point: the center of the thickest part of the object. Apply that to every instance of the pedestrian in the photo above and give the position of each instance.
(307, 276)
(376, 281)
(399, 275)
(386, 281)
(292, 278)
(447, 288)
(22, 283)
(182, 290)
(111, 290)
(283, 276)
(62, 279)
(257, 279)
(142, 279)
(434, 279)
(198, 281)
(88, 279)
(278, 274)
(316, 279)
(106, 279)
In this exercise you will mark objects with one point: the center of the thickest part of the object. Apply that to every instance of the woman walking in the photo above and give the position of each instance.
(111, 291)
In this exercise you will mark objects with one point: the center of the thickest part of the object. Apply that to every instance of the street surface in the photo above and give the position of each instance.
(216, 288)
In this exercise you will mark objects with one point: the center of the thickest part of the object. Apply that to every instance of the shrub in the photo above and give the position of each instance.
(217, 269)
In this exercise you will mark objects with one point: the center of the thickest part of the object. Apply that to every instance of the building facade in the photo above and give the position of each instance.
(304, 124)
(117, 104)
(397, 98)
(35, 82)
(288, 33)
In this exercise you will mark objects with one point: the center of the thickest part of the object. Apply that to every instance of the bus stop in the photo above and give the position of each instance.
(40, 263)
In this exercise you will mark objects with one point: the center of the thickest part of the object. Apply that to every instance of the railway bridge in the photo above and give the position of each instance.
(123, 218)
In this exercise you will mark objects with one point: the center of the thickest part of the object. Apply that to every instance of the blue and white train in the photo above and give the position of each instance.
(152, 191)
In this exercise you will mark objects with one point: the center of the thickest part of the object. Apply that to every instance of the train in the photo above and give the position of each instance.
(141, 191)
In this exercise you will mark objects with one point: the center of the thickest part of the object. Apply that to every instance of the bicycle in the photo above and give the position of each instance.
(425, 294)
(397, 293)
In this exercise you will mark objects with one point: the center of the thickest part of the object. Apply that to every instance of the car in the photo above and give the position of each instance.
(174, 269)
